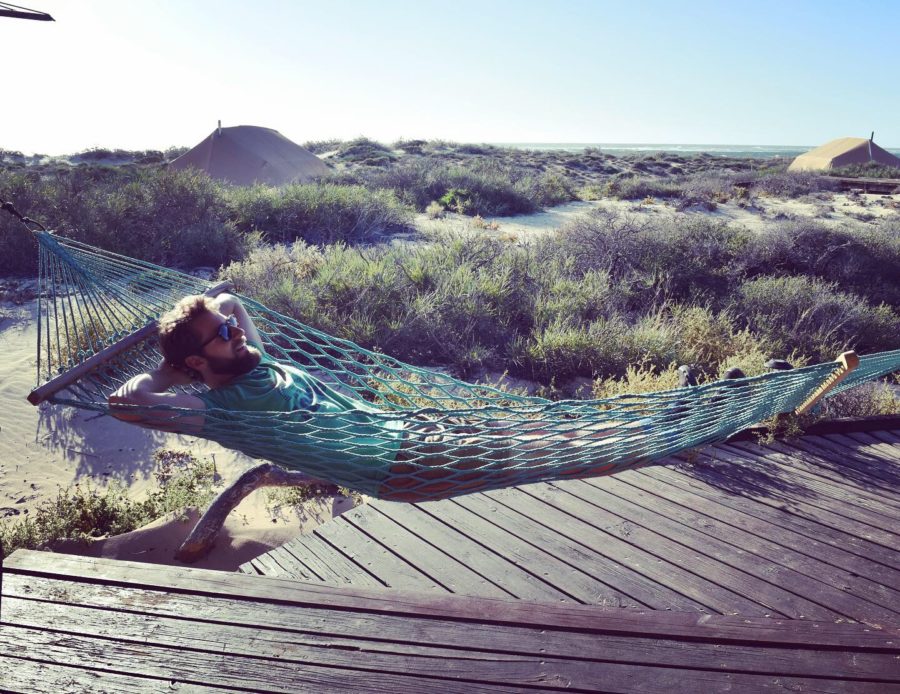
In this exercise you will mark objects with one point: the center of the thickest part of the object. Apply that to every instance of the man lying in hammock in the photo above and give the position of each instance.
(280, 412)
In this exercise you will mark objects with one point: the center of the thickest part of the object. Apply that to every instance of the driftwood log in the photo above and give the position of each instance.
(203, 536)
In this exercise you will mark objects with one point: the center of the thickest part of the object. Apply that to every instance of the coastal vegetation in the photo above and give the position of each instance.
(85, 513)
(604, 294)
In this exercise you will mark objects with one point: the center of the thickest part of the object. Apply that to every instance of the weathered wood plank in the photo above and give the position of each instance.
(641, 550)
(871, 445)
(849, 441)
(504, 573)
(590, 548)
(22, 675)
(815, 492)
(506, 656)
(892, 437)
(873, 466)
(754, 575)
(780, 494)
(773, 520)
(755, 541)
(393, 571)
(807, 466)
(456, 576)
(380, 657)
(221, 670)
(325, 560)
(275, 676)
(38, 566)
(561, 576)
(290, 567)
(869, 471)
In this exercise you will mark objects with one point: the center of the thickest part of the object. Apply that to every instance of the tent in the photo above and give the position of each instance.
(843, 152)
(247, 154)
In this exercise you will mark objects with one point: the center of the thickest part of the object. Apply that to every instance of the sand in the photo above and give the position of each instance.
(831, 209)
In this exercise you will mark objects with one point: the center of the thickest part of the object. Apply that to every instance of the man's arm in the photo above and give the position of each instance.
(228, 304)
(154, 388)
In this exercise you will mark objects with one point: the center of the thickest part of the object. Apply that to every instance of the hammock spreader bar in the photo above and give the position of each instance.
(94, 362)
(417, 434)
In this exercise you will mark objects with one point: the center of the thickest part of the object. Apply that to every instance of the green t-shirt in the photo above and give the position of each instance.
(281, 413)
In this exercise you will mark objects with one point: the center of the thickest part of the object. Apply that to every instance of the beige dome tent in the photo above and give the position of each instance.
(247, 154)
(843, 152)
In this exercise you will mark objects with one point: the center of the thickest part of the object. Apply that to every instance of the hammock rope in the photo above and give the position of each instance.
(456, 437)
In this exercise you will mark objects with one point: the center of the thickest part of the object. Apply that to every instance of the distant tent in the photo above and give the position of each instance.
(843, 152)
(247, 154)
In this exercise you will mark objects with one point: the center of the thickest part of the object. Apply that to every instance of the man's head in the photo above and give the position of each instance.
(195, 337)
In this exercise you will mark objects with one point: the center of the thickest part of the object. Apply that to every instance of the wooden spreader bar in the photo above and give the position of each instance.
(64, 380)
(845, 364)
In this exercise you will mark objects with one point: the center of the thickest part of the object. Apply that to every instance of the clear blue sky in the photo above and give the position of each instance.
(138, 74)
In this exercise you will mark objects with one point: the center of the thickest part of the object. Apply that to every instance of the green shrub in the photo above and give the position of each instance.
(365, 151)
(862, 260)
(815, 318)
(322, 146)
(792, 184)
(482, 187)
(871, 169)
(654, 262)
(638, 188)
(319, 213)
(164, 216)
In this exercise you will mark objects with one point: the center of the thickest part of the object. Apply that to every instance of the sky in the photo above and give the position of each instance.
(151, 74)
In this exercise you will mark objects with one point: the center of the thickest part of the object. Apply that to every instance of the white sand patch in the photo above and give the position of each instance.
(831, 209)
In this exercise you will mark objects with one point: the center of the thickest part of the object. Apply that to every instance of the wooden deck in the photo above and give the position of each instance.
(75, 624)
(802, 530)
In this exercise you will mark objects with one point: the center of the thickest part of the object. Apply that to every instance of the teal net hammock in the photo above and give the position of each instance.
(427, 435)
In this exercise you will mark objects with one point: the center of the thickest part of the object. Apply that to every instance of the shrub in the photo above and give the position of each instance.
(365, 151)
(322, 146)
(435, 210)
(319, 213)
(164, 216)
(870, 169)
(815, 317)
(863, 260)
(638, 188)
(482, 187)
(657, 261)
(792, 184)
(563, 349)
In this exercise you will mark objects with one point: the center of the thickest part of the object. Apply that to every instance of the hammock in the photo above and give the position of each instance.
(97, 313)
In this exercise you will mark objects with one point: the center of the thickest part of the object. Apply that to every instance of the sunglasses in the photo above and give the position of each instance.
(225, 331)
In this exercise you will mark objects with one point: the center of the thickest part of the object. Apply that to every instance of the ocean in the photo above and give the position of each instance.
(618, 148)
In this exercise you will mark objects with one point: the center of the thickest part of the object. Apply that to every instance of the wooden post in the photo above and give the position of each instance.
(203, 536)
(54, 385)
(846, 363)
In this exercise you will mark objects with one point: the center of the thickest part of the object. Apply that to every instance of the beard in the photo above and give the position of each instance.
(237, 365)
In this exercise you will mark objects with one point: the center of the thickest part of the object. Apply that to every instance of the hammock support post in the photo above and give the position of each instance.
(846, 363)
(53, 386)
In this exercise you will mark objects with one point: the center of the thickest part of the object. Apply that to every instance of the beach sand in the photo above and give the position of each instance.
(831, 209)
(48, 447)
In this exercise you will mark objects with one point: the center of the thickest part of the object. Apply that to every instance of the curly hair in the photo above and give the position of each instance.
(177, 339)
